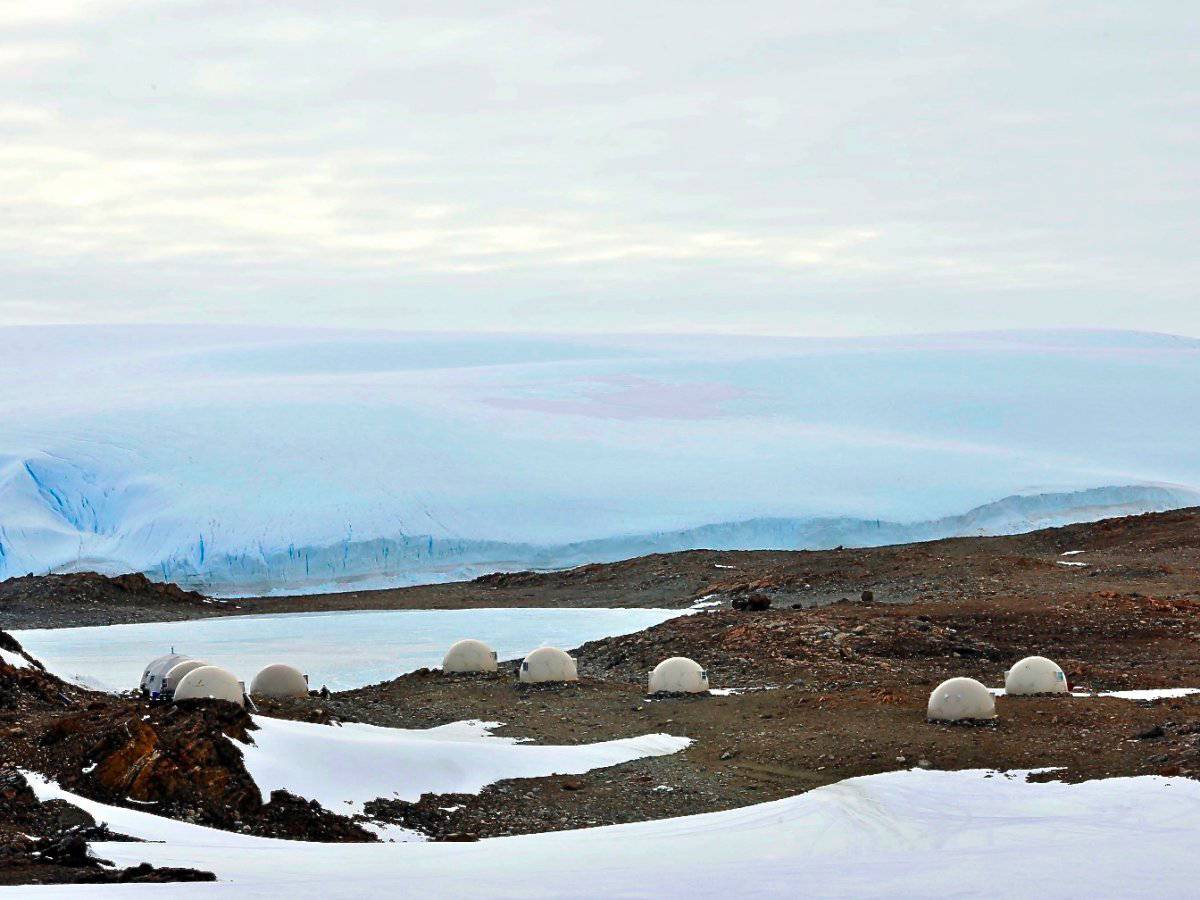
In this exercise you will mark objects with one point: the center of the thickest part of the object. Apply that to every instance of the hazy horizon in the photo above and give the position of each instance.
(234, 328)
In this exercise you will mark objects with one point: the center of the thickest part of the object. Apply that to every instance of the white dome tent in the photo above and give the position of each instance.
(469, 656)
(678, 675)
(959, 700)
(211, 683)
(1035, 675)
(173, 677)
(156, 671)
(279, 680)
(548, 664)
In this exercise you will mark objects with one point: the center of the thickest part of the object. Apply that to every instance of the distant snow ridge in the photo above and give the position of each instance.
(423, 559)
(275, 460)
(420, 559)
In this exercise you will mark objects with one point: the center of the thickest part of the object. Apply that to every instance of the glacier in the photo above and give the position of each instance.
(244, 460)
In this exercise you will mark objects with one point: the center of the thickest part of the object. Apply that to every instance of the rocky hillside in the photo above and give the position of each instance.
(88, 598)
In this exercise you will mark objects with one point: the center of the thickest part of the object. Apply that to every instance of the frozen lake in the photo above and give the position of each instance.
(341, 650)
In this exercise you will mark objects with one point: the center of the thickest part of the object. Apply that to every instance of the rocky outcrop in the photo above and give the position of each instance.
(95, 599)
(177, 757)
(47, 843)
(176, 760)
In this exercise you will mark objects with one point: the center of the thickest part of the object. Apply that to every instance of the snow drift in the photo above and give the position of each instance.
(903, 834)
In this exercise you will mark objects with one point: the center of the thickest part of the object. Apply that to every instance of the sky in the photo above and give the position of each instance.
(789, 167)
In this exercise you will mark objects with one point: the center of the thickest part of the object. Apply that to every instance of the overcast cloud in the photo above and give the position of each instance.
(791, 167)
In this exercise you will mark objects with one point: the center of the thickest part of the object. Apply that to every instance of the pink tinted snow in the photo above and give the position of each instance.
(630, 397)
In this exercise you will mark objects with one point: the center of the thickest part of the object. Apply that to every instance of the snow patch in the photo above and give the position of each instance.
(1139, 694)
(392, 834)
(14, 659)
(1151, 693)
(344, 767)
(731, 692)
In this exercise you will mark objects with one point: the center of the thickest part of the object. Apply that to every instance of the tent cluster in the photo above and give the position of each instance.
(176, 677)
(546, 664)
(550, 664)
(967, 700)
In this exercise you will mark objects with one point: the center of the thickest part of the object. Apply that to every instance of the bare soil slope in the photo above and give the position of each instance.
(87, 598)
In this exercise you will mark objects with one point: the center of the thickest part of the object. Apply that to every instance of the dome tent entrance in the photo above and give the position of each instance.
(961, 700)
(279, 680)
(155, 674)
(1035, 675)
(172, 679)
(548, 664)
(469, 656)
(211, 683)
(678, 675)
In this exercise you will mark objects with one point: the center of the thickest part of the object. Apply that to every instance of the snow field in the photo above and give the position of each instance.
(912, 834)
